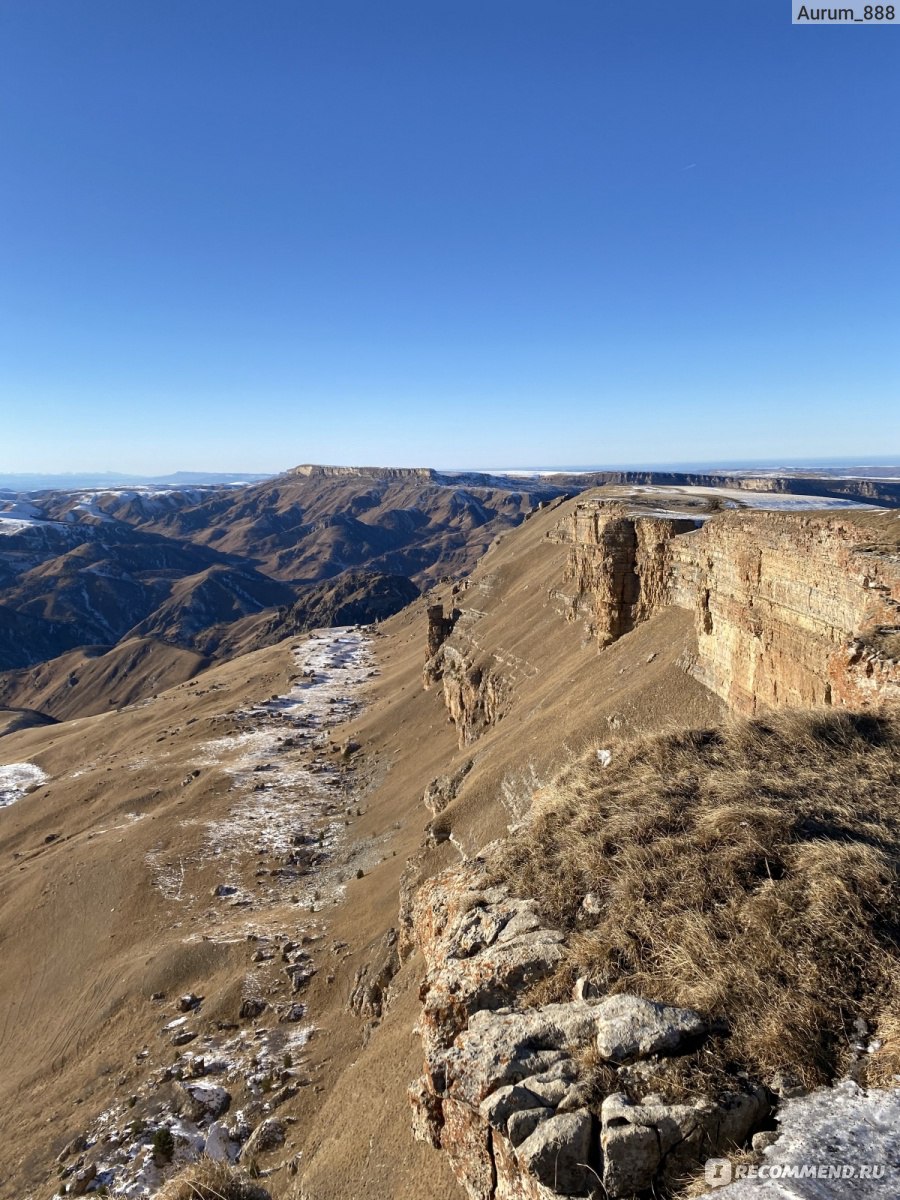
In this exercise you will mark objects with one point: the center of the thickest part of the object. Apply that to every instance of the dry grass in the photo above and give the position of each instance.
(208, 1180)
(885, 641)
(751, 872)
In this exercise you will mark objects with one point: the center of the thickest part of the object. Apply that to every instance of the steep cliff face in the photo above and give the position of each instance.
(788, 607)
(783, 607)
(885, 492)
(621, 566)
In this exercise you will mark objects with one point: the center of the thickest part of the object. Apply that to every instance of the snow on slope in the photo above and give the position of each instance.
(835, 1142)
(17, 779)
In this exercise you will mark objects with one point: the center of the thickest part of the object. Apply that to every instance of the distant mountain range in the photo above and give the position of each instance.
(32, 482)
(107, 590)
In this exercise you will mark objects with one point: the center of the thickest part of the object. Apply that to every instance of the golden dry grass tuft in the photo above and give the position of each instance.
(208, 1180)
(885, 642)
(751, 872)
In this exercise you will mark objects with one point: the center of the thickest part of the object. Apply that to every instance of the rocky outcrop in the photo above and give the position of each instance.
(371, 986)
(474, 692)
(506, 1091)
(786, 604)
(439, 627)
(445, 788)
(621, 566)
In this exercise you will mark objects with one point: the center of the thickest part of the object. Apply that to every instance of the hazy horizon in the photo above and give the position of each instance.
(79, 477)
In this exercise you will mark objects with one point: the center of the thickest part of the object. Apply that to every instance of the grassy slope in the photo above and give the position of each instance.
(751, 871)
(86, 938)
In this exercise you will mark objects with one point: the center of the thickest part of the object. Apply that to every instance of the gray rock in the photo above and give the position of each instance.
(428, 1117)
(371, 989)
(631, 1159)
(206, 1099)
(507, 1047)
(640, 1140)
(442, 790)
(557, 1153)
(482, 948)
(500, 1105)
(522, 1124)
(82, 1180)
(629, 1027)
(549, 1091)
(293, 1013)
(268, 1135)
(635, 1138)
(219, 1146)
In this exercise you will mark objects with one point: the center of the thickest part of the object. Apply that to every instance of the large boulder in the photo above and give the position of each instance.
(557, 1153)
(641, 1142)
(629, 1027)
(206, 1100)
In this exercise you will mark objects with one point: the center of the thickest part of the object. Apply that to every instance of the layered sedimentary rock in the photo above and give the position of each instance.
(473, 693)
(784, 605)
(622, 566)
(788, 607)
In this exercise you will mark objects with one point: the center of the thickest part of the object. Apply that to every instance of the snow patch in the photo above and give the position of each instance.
(280, 800)
(844, 1127)
(17, 779)
(775, 501)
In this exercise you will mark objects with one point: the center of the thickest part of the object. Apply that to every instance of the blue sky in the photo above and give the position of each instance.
(244, 235)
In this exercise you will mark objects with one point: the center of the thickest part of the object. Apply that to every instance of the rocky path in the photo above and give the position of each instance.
(281, 856)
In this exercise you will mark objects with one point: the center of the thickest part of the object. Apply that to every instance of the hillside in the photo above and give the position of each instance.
(124, 807)
(293, 841)
(178, 566)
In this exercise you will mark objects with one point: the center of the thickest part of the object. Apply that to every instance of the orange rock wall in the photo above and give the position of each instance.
(783, 601)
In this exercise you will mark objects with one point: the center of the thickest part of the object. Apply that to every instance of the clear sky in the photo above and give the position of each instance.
(245, 234)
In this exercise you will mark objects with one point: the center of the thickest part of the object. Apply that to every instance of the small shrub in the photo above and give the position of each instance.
(163, 1145)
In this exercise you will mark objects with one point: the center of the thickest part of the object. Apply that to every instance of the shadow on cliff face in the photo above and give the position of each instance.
(751, 872)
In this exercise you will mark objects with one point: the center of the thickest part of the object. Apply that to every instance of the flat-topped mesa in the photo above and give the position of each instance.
(312, 470)
(791, 610)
